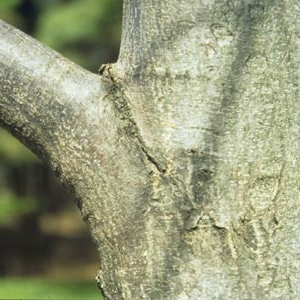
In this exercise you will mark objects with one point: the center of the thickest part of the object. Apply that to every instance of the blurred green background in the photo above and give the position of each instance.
(45, 249)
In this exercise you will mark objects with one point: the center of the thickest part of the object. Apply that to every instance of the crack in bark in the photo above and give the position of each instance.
(121, 104)
(160, 166)
(279, 182)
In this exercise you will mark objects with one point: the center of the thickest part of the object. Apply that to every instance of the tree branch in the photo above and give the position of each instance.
(48, 102)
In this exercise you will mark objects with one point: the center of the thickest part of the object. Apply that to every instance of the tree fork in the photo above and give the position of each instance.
(184, 154)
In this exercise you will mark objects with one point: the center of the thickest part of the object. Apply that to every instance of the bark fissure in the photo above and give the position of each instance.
(116, 91)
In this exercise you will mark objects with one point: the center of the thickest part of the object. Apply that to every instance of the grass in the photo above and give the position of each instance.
(45, 289)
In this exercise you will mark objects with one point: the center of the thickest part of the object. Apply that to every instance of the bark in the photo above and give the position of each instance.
(184, 154)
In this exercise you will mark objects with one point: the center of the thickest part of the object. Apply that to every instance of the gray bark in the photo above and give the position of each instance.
(184, 155)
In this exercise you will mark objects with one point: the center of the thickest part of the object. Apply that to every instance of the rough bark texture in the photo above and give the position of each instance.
(184, 155)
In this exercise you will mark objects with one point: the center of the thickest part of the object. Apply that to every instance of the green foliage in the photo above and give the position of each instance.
(12, 152)
(62, 24)
(76, 28)
(12, 206)
(7, 11)
(5, 4)
(87, 32)
(47, 289)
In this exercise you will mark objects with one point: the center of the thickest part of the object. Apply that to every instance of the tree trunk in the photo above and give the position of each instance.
(184, 154)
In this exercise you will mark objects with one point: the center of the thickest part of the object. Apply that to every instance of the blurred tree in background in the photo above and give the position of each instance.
(85, 31)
